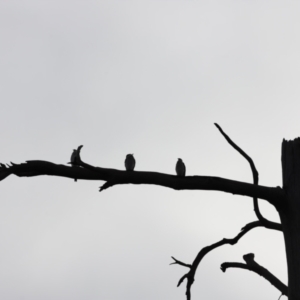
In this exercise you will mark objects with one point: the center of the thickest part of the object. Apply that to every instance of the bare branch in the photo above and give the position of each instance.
(253, 266)
(276, 226)
(4, 171)
(87, 172)
(178, 262)
(244, 154)
(106, 185)
(190, 276)
(264, 221)
(39, 167)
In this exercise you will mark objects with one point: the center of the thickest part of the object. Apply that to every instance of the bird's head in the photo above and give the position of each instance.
(179, 159)
(129, 155)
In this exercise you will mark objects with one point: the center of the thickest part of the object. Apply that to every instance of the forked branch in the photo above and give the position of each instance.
(190, 276)
(262, 222)
(253, 266)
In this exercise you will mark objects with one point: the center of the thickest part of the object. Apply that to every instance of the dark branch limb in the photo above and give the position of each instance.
(4, 171)
(178, 262)
(106, 185)
(38, 168)
(253, 266)
(190, 276)
(276, 226)
(87, 172)
(244, 154)
(264, 221)
(117, 180)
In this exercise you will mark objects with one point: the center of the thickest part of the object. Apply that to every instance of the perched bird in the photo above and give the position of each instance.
(180, 168)
(74, 159)
(129, 162)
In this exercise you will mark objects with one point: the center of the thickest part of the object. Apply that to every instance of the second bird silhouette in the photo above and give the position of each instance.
(74, 159)
(180, 168)
(129, 162)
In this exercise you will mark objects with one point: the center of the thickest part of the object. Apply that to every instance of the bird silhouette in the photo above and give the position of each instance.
(180, 168)
(129, 162)
(74, 161)
(74, 158)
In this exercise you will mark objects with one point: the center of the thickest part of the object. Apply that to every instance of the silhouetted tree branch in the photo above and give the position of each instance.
(264, 221)
(190, 276)
(277, 226)
(114, 177)
(81, 170)
(253, 266)
(178, 262)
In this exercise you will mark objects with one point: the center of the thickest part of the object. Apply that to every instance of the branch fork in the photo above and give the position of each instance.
(253, 266)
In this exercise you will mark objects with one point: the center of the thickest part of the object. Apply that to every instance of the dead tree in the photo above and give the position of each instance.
(285, 199)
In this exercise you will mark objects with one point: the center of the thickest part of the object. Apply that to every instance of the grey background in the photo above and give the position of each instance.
(149, 78)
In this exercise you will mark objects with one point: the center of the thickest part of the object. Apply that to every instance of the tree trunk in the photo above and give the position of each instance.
(290, 213)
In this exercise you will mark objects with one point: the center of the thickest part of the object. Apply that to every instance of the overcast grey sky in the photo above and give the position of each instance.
(149, 78)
